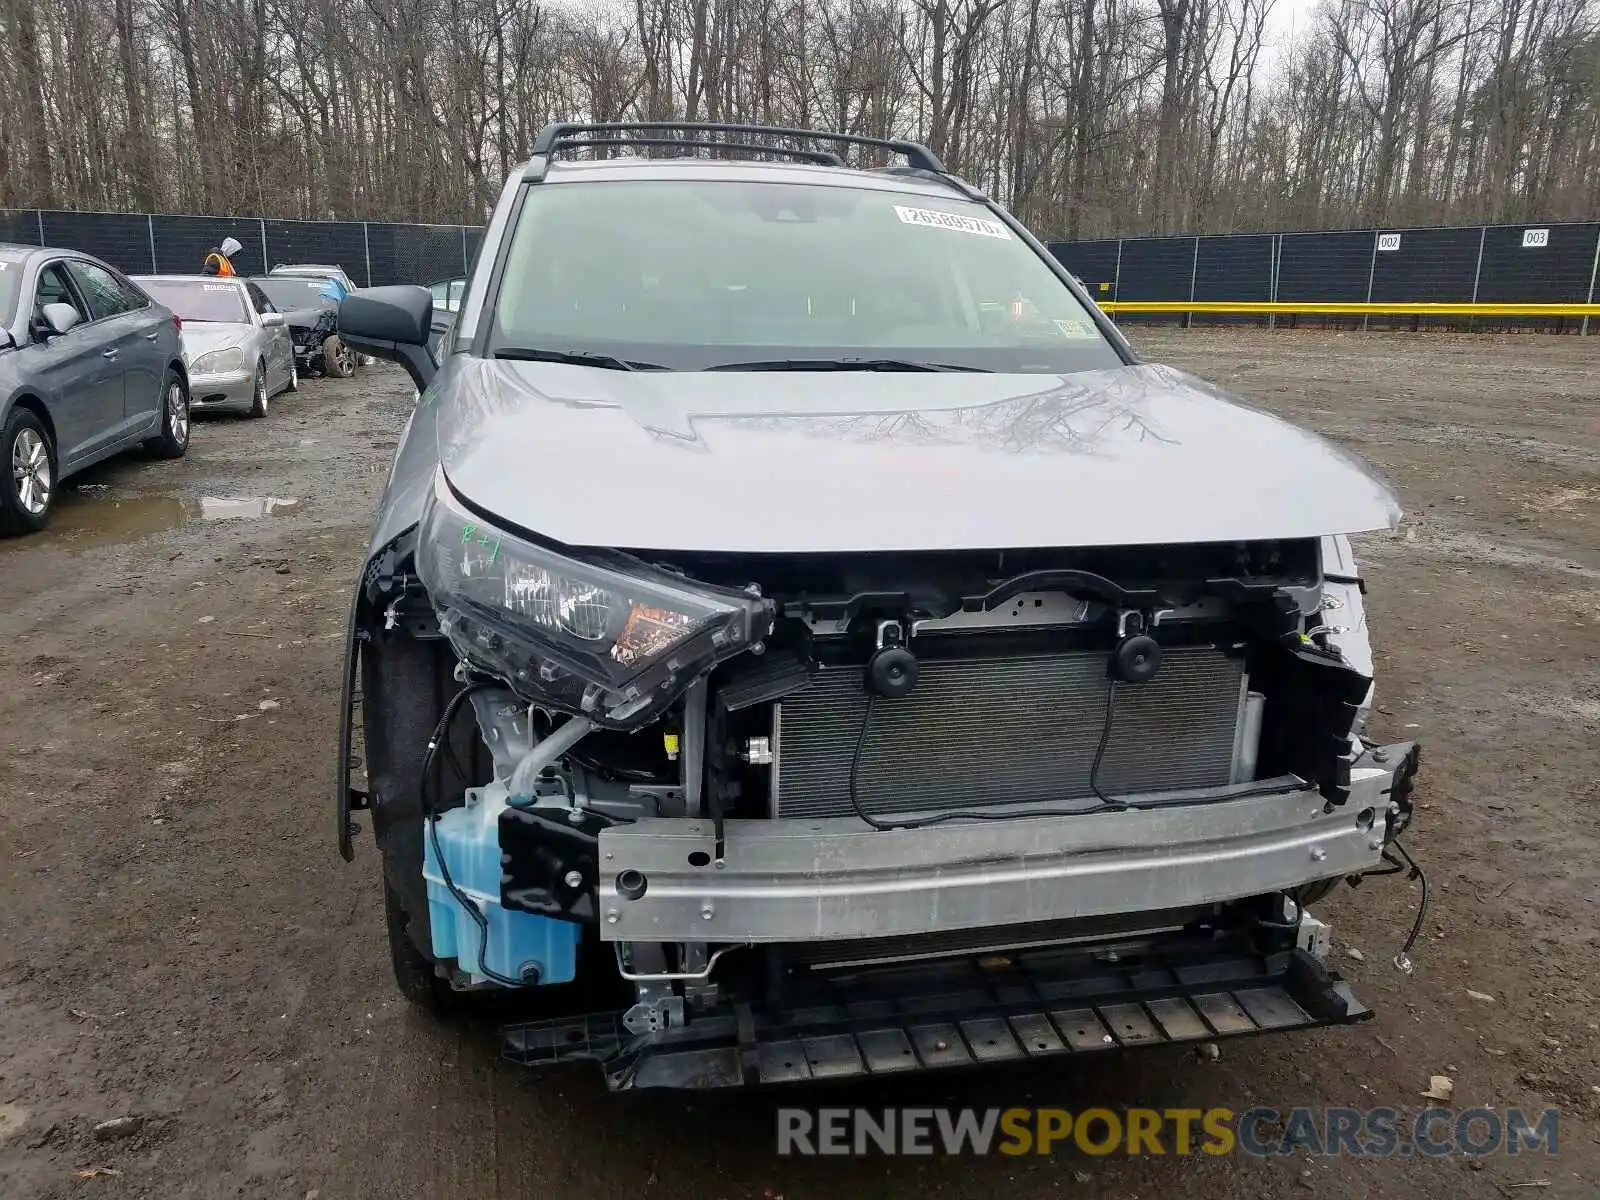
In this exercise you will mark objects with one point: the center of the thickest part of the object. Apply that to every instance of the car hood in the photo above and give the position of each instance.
(862, 461)
(202, 337)
(308, 318)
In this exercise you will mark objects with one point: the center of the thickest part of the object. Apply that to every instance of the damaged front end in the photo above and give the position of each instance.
(757, 817)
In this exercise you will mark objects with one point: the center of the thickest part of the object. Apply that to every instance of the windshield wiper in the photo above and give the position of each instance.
(842, 364)
(579, 358)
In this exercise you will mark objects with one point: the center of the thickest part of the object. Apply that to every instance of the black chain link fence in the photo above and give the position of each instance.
(416, 253)
(180, 244)
(332, 243)
(121, 240)
(1504, 264)
(1496, 264)
(371, 253)
(20, 225)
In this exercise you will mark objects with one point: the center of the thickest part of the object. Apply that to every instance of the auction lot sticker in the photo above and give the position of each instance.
(934, 219)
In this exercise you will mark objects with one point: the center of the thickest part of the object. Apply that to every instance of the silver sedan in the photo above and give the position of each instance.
(235, 343)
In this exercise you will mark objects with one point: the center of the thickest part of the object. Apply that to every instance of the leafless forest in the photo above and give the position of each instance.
(1089, 117)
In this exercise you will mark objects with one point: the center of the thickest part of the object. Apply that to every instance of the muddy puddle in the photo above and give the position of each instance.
(91, 518)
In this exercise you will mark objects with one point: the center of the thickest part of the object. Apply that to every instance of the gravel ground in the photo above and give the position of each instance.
(180, 943)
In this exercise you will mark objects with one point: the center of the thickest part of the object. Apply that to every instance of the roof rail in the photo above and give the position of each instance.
(561, 134)
(822, 158)
(971, 191)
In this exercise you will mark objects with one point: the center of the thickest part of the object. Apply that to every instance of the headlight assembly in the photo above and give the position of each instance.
(219, 362)
(612, 638)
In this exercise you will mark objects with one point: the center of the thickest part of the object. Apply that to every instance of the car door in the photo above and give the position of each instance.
(76, 371)
(144, 384)
(280, 345)
(123, 329)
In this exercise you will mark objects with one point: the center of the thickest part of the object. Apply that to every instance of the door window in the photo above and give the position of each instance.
(53, 288)
(100, 289)
(447, 295)
(259, 299)
(132, 297)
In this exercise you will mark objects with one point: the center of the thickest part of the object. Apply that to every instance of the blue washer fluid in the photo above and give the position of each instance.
(519, 943)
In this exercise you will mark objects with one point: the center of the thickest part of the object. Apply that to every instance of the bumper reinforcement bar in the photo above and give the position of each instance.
(891, 1020)
(797, 880)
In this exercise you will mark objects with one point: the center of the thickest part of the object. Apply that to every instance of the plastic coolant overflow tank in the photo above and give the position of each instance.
(521, 945)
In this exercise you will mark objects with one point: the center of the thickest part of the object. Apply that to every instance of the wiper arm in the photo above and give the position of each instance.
(580, 358)
(842, 364)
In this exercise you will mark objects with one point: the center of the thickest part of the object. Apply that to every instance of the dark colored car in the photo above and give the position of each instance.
(313, 321)
(90, 366)
(800, 639)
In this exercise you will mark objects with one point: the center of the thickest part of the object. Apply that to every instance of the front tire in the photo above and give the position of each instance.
(28, 488)
(413, 970)
(173, 438)
(258, 392)
(338, 360)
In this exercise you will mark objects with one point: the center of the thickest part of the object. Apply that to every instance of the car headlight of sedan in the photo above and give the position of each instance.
(219, 362)
(608, 636)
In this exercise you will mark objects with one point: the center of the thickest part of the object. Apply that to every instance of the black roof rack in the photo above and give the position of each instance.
(822, 158)
(565, 134)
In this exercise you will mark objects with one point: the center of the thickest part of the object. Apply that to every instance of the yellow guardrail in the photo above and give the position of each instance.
(1354, 309)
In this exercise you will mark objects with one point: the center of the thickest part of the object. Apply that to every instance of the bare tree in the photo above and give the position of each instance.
(1089, 117)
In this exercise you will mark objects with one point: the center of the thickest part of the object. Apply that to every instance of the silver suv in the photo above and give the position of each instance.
(801, 639)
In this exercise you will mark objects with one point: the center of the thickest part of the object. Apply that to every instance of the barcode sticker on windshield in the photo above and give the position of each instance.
(943, 220)
(216, 287)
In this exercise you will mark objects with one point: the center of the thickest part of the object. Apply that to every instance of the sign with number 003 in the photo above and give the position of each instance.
(1535, 238)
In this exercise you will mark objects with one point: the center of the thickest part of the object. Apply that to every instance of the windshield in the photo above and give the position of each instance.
(323, 273)
(196, 300)
(287, 294)
(691, 274)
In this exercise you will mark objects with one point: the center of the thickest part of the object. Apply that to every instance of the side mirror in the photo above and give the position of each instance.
(272, 320)
(59, 318)
(393, 323)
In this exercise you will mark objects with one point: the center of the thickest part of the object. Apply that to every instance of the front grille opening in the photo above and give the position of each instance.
(988, 732)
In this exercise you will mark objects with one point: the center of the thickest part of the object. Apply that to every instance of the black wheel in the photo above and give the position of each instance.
(1310, 893)
(413, 970)
(28, 489)
(173, 438)
(338, 359)
(258, 393)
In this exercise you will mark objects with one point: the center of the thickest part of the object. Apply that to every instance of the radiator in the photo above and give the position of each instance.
(992, 731)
